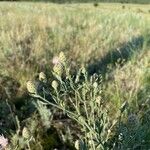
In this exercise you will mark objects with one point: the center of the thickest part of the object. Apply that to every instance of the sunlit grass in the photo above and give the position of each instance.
(40, 30)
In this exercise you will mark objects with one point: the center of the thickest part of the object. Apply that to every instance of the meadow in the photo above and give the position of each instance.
(74, 76)
(91, 1)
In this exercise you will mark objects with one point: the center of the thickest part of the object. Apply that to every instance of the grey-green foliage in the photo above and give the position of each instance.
(80, 98)
(45, 114)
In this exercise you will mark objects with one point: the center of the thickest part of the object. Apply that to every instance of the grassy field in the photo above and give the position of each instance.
(94, 1)
(111, 41)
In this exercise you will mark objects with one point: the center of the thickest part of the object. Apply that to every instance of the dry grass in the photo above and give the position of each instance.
(111, 40)
(31, 34)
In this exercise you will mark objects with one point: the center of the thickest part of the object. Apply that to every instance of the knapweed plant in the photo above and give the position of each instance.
(79, 97)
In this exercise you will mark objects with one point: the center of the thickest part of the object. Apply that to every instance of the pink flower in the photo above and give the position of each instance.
(56, 60)
(3, 142)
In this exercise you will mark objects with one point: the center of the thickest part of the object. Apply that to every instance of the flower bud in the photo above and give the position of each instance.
(98, 100)
(83, 70)
(77, 144)
(25, 133)
(31, 87)
(42, 76)
(62, 57)
(55, 84)
(90, 142)
(58, 69)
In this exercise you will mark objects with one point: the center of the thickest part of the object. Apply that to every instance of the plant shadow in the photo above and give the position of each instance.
(125, 52)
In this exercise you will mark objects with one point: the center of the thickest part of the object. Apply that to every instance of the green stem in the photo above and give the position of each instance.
(73, 115)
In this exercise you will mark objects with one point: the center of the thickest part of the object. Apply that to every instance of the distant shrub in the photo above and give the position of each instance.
(123, 6)
(96, 4)
(139, 10)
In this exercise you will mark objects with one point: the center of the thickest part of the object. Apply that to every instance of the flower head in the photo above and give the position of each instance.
(62, 57)
(55, 84)
(42, 77)
(3, 142)
(31, 87)
(58, 69)
(83, 70)
(25, 133)
(56, 60)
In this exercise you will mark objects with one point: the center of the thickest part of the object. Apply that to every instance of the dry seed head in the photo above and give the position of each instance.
(55, 84)
(58, 69)
(62, 57)
(31, 87)
(25, 133)
(42, 76)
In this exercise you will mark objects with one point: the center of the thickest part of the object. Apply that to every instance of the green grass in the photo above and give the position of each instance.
(112, 40)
